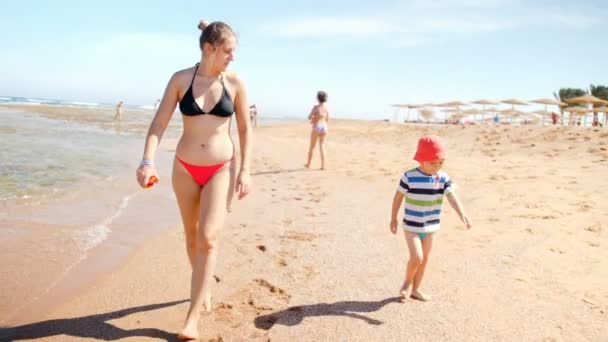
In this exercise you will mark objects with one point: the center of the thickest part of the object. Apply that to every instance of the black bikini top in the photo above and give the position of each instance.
(224, 107)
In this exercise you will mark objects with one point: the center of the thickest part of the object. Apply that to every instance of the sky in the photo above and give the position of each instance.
(366, 55)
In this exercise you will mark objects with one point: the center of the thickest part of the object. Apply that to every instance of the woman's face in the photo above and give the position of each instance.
(223, 55)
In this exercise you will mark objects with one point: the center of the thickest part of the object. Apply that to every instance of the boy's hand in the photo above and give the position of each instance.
(467, 222)
(394, 225)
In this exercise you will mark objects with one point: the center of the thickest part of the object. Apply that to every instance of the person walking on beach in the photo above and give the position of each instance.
(253, 115)
(554, 118)
(204, 167)
(319, 118)
(118, 114)
(424, 188)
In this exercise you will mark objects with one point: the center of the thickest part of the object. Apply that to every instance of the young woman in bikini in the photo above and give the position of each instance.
(204, 168)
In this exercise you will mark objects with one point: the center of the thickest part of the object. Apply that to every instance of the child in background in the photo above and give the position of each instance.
(424, 188)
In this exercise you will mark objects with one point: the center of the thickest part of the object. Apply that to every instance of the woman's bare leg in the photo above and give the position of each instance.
(214, 197)
(188, 195)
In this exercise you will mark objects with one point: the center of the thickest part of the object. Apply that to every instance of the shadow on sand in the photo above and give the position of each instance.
(94, 326)
(294, 315)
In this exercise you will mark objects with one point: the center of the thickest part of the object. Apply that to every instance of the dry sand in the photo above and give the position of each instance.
(308, 256)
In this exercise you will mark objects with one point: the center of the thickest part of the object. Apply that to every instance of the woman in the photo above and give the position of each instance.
(204, 165)
(318, 117)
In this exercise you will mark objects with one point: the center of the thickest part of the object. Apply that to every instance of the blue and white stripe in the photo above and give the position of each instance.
(424, 196)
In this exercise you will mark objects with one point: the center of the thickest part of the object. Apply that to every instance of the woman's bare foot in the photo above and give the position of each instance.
(417, 294)
(405, 291)
(189, 332)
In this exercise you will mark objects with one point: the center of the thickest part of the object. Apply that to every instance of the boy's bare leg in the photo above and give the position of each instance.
(427, 245)
(415, 250)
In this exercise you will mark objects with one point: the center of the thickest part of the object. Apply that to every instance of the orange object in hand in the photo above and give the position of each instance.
(152, 181)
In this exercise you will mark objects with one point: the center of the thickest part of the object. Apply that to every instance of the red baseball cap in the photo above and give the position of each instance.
(430, 148)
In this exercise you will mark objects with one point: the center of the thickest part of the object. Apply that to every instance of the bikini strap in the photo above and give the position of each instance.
(194, 75)
(224, 91)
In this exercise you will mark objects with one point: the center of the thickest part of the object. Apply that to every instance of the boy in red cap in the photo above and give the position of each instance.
(424, 188)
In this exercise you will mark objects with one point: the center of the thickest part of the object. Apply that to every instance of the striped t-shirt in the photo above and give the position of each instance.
(423, 199)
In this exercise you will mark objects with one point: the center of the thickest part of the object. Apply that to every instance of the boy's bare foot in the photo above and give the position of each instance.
(405, 291)
(307, 166)
(189, 332)
(417, 294)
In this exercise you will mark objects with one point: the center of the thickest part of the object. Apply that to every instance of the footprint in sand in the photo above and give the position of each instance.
(298, 236)
(595, 228)
(288, 254)
(277, 291)
(557, 250)
(584, 206)
(537, 217)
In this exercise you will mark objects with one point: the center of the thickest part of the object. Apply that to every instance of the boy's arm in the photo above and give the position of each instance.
(455, 203)
(397, 200)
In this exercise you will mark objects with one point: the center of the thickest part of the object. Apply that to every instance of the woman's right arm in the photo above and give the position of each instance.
(157, 128)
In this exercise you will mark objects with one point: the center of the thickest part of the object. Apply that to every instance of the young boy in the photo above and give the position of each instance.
(424, 188)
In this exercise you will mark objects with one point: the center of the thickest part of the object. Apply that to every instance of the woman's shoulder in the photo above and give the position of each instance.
(184, 73)
(233, 78)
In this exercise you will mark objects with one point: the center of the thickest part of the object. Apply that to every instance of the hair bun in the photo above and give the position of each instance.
(202, 24)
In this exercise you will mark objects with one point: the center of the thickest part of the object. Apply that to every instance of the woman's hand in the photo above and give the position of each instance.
(243, 184)
(146, 175)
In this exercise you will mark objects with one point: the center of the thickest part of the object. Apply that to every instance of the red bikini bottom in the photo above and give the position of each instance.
(202, 173)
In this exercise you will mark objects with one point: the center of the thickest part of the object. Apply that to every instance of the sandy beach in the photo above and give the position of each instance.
(308, 255)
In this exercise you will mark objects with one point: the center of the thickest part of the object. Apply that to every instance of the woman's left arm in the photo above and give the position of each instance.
(243, 181)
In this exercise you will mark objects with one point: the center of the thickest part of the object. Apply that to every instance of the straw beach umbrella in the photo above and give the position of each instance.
(547, 102)
(514, 102)
(587, 99)
(576, 111)
(427, 113)
(511, 113)
(483, 104)
(454, 104)
(602, 109)
(473, 111)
